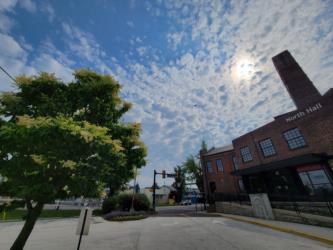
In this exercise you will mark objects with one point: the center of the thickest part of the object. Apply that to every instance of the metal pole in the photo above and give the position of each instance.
(154, 188)
(196, 204)
(134, 186)
(83, 224)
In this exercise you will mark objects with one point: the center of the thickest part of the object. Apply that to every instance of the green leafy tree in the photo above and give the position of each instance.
(62, 140)
(193, 169)
(180, 183)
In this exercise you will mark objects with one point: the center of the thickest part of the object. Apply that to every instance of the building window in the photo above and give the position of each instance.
(234, 162)
(241, 185)
(294, 138)
(316, 182)
(219, 165)
(246, 154)
(267, 147)
(209, 167)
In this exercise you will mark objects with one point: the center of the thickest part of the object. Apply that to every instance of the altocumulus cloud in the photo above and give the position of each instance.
(212, 80)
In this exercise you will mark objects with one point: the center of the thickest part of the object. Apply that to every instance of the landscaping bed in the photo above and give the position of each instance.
(125, 216)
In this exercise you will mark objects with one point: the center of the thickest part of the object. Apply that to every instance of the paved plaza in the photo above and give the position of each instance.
(182, 232)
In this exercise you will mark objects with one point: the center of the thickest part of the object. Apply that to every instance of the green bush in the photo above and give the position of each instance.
(109, 204)
(124, 202)
(141, 202)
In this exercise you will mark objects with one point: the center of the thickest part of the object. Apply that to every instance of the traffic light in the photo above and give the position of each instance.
(177, 173)
(163, 174)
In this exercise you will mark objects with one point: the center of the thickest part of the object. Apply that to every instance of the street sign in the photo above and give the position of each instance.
(84, 224)
(84, 221)
(171, 175)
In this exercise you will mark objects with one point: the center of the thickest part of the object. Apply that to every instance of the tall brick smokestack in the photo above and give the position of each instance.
(298, 84)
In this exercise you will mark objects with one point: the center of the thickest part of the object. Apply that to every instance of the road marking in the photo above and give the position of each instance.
(218, 222)
(170, 224)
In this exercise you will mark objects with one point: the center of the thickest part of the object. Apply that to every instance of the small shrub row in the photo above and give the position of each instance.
(124, 202)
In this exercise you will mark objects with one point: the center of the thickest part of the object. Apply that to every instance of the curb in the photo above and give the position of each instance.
(283, 229)
(44, 218)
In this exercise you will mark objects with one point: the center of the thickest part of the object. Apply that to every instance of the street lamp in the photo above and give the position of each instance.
(134, 184)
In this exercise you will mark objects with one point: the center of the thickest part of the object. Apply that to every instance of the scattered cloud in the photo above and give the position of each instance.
(226, 85)
(142, 50)
(85, 46)
(7, 5)
(48, 9)
(28, 5)
(174, 39)
(130, 24)
(205, 74)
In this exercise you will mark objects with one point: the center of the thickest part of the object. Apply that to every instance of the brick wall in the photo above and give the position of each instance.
(316, 127)
(225, 182)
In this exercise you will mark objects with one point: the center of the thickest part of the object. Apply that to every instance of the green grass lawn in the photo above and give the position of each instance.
(18, 214)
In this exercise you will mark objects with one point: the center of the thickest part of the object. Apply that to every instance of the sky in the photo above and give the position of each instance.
(194, 69)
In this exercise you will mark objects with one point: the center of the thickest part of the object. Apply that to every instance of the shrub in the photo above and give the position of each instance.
(124, 202)
(129, 217)
(141, 202)
(109, 204)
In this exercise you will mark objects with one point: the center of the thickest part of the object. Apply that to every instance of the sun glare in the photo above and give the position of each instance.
(244, 68)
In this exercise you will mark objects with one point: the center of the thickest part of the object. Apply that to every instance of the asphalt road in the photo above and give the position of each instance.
(175, 211)
(156, 233)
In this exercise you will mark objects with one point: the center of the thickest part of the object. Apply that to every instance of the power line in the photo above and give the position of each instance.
(12, 78)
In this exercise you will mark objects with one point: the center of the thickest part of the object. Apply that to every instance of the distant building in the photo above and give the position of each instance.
(291, 155)
(161, 194)
(218, 164)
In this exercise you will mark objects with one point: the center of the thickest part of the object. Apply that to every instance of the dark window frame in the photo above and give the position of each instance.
(301, 136)
(211, 167)
(263, 149)
(314, 186)
(234, 162)
(246, 161)
(217, 166)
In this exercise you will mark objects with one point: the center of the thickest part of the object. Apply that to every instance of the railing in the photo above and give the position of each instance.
(319, 204)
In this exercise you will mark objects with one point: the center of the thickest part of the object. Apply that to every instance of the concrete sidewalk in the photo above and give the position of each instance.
(322, 234)
(158, 233)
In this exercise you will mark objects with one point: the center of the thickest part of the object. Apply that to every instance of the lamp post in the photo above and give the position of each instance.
(135, 174)
(134, 187)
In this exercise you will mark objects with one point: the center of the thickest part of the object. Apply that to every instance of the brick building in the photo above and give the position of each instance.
(293, 153)
(219, 164)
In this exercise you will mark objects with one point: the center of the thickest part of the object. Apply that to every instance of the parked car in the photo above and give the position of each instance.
(185, 202)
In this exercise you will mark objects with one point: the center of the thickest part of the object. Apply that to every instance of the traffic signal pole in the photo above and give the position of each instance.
(154, 191)
(164, 174)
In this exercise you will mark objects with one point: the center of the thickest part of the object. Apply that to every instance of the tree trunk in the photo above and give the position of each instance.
(32, 216)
